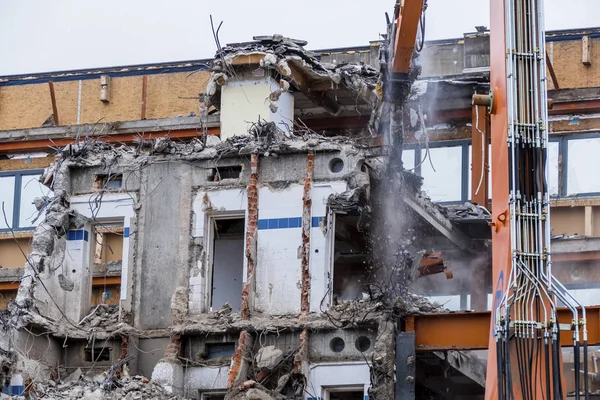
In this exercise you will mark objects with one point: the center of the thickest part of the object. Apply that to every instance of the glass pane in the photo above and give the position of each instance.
(7, 196)
(30, 189)
(408, 158)
(442, 173)
(583, 166)
(553, 168)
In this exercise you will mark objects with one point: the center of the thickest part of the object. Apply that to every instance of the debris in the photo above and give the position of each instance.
(129, 388)
(433, 263)
(74, 376)
(268, 357)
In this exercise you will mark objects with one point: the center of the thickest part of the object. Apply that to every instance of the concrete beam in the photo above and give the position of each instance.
(467, 364)
(109, 269)
(11, 274)
(575, 245)
(429, 213)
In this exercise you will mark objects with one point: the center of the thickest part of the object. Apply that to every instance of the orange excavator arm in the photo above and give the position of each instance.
(407, 17)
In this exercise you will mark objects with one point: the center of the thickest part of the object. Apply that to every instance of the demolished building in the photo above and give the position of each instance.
(266, 245)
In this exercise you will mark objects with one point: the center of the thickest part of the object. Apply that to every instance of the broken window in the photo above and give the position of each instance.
(583, 165)
(6, 296)
(349, 258)
(227, 262)
(107, 260)
(442, 173)
(18, 189)
(97, 354)
(228, 172)
(350, 393)
(108, 182)
(219, 350)
(212, 395)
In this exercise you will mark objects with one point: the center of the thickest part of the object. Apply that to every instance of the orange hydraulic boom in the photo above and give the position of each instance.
(524, 353)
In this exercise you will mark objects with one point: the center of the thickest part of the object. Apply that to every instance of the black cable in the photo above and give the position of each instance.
(556, 364)
(577, 368)
(508, 369)
(531, 351)
(585, 371)
(499, 352)
(547, 364)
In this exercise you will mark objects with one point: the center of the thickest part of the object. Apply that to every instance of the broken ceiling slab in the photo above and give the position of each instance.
(430, 213)
(579, 245)
(286, 59)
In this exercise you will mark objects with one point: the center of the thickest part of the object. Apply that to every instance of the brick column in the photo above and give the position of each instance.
(239, 363)
(251, 228)
(306, 224)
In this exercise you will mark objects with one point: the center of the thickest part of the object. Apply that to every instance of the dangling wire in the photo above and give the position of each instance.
(421, 40)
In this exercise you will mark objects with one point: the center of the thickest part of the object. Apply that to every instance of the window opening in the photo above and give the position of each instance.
(219, 350)
(6, 296)
(337, 344)
(18, 189)
(212, 396)
(227, 262)
(349, 259)
(344, 394)
(229, 172)
(97, 354)
(108, 260)
(108, 182)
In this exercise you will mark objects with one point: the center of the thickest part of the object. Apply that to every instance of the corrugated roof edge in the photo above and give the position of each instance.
(195, 65)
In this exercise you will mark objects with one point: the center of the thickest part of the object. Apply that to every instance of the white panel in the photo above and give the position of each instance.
(553, 168)
(284, 115)
(319, 262)
(320, 193)
(112, 206)
(245, 102)
(7, 199)
(321, 376)
(279, 267)
(583, 166)
(286, 203)
(216, 201)
(278, 271)
(30, 189)
(442, 182)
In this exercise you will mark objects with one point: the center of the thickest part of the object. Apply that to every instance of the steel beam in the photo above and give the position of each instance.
(471, 330)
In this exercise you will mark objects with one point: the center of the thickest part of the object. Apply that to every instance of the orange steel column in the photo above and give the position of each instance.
(501, 258)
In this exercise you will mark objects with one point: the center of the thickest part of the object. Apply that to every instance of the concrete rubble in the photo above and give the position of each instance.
(95, 388)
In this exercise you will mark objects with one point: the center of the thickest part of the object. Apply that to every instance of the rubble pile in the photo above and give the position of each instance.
(96, 388)
(102, 315)
(463, 211)
(280, 51)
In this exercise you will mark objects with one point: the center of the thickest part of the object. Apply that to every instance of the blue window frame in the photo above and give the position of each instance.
(444, 167)
(572, 162)
(18, 189)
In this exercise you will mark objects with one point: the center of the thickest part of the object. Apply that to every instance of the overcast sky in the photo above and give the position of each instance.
(52, 35)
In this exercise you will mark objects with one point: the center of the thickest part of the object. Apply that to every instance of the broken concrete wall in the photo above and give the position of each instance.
(164, 223)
